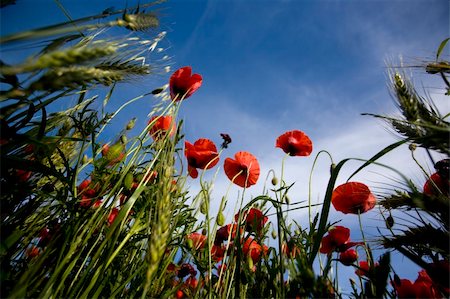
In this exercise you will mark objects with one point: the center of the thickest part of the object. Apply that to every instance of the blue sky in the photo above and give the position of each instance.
(273, 66)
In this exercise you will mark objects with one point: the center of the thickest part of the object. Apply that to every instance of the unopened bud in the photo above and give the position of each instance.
(274, 181)
(157, 91)
(203, 208)
(412, 147)
(389, 222)
(131, 123)
(85, 159)
(123, 139)
(128, 181)
(190, 243)
(220, 219)
(250, 262)
(274, 234)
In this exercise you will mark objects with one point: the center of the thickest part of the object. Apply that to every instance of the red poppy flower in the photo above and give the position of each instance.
(223, 233)
(185, 270)
(424, 287)
(404, 288)
(439, 273)
(202, 154)
(364, 268)
(348, 257)
(253, 249)
(23, 175)
(179, 294)
(183, 83)
(162, 124)
(191, 282)
(88, 191)
(254, 220)
(353, 198)
(33, 251)
(196, 240)
(436, 185)
(112, 216)
(295, 143)
(243, 170)
(337, 237)
(290, 249)
(217, 253)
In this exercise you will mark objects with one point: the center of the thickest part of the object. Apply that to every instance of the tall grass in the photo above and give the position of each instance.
(84, 219)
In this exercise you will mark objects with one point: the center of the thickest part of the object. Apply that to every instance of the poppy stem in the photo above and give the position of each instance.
(279, 224)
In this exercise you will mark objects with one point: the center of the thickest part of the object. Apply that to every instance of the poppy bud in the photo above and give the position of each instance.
(85, 159)
(274, 181)
(123, 139)
(131, 123)
(250, 262)
(412, 147)
(389, 222)
(128, 181)
(190, 243)
(203, 207)
(220, 219)
(157, 90)
(274, 234)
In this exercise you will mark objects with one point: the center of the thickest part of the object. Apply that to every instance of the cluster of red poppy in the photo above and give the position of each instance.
(423, 287)
(186, 286)
(338, 240)
(253, 221)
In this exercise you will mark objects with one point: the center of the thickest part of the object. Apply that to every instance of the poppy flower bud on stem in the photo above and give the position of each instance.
(274, 181)
(412, 147)
(131, 123)
(220, 219)
(389, 222)
(274, 234)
